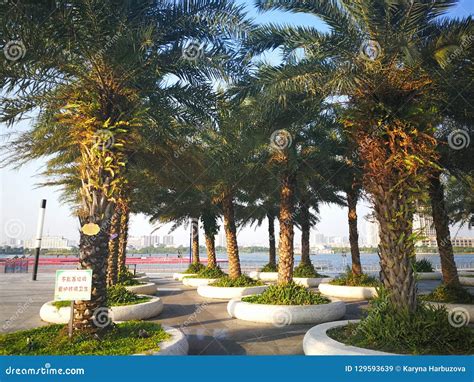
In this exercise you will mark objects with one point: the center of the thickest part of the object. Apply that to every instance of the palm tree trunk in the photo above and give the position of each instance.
(211, 251)
(231, 236)
(195, 240)
(285, 250)
(112, 261)
(353, 232)
(395, 216)
(92, 316)
(443, 236)
(305, 228)
(123, 236)
(271, 239)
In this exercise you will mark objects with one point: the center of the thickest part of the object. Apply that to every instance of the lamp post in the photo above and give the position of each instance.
(39, 235)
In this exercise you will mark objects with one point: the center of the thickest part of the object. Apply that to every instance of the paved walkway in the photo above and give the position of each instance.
(209, 328)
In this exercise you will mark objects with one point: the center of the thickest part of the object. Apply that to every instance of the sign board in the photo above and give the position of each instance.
(73, 285)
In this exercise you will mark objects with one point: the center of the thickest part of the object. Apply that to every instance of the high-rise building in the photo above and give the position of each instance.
(168, 240)
(372, 233)
(424, 225)
(222, 241)
(151, 240)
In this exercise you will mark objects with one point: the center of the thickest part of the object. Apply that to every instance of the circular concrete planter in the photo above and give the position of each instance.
(152, 308)
(264, 276)
(142, 279)
(282, 315)
(311, 282)
(458, 314)
(226, 293)
(352, 292)
(429, 276)
(146, 288)
(180, 276)
(196, 282)
(317, 342)
(467, 281)
(177, 345)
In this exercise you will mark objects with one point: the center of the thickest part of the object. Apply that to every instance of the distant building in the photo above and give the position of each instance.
(51, 242)
(424, 225)
(221, 241)
(372, 237)
(151, 240)
(431, 242)
(168, 240)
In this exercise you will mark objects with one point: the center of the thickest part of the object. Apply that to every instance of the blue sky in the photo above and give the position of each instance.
(19, 199)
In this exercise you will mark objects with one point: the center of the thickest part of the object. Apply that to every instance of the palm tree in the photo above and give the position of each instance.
(93, 69)
(372, 55)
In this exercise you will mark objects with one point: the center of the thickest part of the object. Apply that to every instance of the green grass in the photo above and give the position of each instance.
(124, 339)
(242, 281)
(290, 294)
(117, 295)
(306, 271)
(269, 268)
(350, 279)
(427, 331)
(447, 294)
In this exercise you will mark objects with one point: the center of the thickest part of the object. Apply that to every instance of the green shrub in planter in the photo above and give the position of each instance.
(427, 331)
(127, 278)
(117, 295)
(269, 268)
(351, 279)
(289, 294)
(240, 282)
(195, 268)
(306, 271)
(423, 265)
(210, 273)
(450, 294)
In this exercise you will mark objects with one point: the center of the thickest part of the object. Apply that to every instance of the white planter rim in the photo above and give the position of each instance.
(118, 313)
(283, 315)
(176, 345)
(317, 342)
(345, 291)
(196, 282)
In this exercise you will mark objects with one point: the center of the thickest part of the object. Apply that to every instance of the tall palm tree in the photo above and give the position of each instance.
(94, 68)
(373, 56)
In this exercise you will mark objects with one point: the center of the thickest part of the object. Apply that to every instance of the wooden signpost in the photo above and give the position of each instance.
(72, 285)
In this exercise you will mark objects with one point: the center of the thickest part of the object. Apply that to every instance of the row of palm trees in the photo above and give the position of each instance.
(130, 121)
